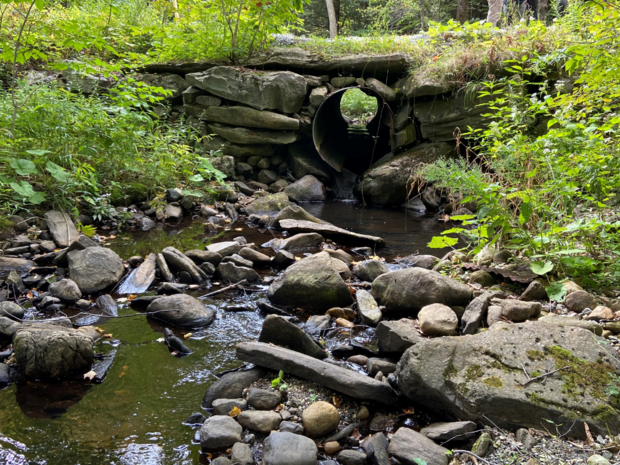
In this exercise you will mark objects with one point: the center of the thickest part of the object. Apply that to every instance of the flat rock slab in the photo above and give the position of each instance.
(141, 278)
(334, 232)
(251, 118)
(17, 264)
(61, 228)
(334, 377)
(482, 377)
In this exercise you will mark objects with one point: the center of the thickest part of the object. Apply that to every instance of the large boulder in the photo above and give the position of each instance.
(277, 90)
(181, 310)
(250, 118)
(95, 269)
(240, 135)
(483, 377)
(288, 449)
(61, 228)
(312, 284)
(45, 351)
(278, 330)
(390, 181)
(411, 289)
(306, 189)
(268, 204)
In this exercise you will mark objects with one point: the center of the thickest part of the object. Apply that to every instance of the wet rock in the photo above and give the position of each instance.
(329, 230)
(231, 273)
(306, 189)
(219, 432)
(45, 351)
(242, 454)
(61, 228)
(180, 263)
(351, 457)
(11, 263)
(311, 283)
(249, 117)
(224, 249)
(261, 399)
(517, 310)
(376, 448)
(95, 269)
(171, 288)
(445, 431)
(383, 365)
(11, 310)
(368, 308)
(181, 310)
(316, 324)
(485, 371)
(283, 259)
(360, 360)
(342, 268)
(578, 301)
(260, 421)
(397, 336)
(141, 278)
(297, 242)
(320, 418)
(231, 385)
(413, 288)
(238, 260)
(225, 406)
(535, 291)
(268, 204)
(278, 330)
(255, 257)
(476, 312)
(407, 445)
(438, 320)
(369, 270)
(295, 212)
(275, 90)
(388, 183)
(306, 160)
(173, 212)
(106, 305)
(288, 449)
(326, 374)
(8, 328)
(290, 427)
(195, 419)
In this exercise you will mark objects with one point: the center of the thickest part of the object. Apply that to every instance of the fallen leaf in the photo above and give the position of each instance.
(112, 237)
(238, 229)
(589, 439)
(161, 339)
(227, 220)
(99, 330)
(356, 433)
(90, 375)
(108, 336)
(122, 374)
(234, 412)
(336, 401)
(174, 352)
(297, 259)
(187, 336)
(131, 297)
(209, 455)
(29, 294)
(409, 410)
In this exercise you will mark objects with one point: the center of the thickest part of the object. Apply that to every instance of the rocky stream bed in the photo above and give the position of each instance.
(257, 330)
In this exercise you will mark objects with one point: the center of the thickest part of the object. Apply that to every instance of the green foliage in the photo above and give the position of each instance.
(358, 106)
(547, 167)
(88, 229)
(278, 383)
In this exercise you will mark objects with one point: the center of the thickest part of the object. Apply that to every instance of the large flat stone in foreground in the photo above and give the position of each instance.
(334, 377)
(331, 231)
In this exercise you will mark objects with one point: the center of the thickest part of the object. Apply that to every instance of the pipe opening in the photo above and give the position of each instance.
(352, 129)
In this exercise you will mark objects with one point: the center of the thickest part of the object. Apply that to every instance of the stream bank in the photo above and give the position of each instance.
(135, 414)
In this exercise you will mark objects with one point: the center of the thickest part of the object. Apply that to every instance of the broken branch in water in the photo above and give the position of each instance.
(232, 286)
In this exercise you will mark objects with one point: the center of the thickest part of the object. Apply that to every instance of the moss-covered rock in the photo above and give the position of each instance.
(483, 377)
(6, 228)
(128, 194)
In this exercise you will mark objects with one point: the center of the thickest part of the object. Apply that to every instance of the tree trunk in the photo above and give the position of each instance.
(421, 3)
(461, 10)
(543, 9)
(333, 22)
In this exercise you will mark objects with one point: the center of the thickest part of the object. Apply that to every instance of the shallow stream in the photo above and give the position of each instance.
(135, 416)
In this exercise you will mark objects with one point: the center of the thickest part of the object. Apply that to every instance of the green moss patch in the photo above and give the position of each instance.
(493, 381)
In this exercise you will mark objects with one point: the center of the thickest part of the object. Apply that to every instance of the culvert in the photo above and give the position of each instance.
(343, 145)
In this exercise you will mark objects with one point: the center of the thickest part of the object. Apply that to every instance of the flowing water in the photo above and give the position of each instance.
(135, 416)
